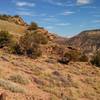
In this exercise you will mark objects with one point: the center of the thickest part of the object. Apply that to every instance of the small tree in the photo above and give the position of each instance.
(96, 59)
(72, 55)
(33, 26)
(40, 38)
(14, 48)
(83, 58)
(30, 44)
(5, 38)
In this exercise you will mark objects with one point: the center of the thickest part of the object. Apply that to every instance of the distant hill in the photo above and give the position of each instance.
(88, 41)
(17, 26)
(56, 74)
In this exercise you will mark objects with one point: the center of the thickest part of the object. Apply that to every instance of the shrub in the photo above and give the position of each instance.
(4, 17)
(5, 38)
(19, 79)
(40, 38)
(12, 86)
(83, 58)
(33, 26)
(70, 56)
(14, 48)
(96, 59)
(30, 45)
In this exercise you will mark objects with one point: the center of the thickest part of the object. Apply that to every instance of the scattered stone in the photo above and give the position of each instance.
(38, 81)
(4, 58)
(56, 73)
(3, 96)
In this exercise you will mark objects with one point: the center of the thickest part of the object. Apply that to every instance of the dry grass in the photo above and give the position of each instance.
(11, 27)
(51, 79)
(18, 78)
(8, 85)
(52, 90)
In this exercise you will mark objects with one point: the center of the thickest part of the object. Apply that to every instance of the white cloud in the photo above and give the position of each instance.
(70, 5)
(63, 24)
(49, 27)
(96, 21)
(83, 2)
(52, 16)
(21, 4)
(50, 19)
(81, 25)
(67, 13)
(24, 13)
(55, 2)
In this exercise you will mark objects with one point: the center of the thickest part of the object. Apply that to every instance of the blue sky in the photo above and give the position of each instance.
(63, 17)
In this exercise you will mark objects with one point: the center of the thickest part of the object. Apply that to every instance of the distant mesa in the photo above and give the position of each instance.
(88, 41)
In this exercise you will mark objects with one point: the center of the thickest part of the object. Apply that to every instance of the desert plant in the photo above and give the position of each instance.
(5, 38)
(4, 17)
(12, 86)
(40, 38)
(33, 26)
(14, 48)
(30, 45)
(19, 79)
(83, 58)
(70, 56)
(96, 59)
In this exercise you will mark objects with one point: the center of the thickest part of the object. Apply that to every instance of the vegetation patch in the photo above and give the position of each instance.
(19, 79)
(96, 59)
(5, 38)
(6, 84)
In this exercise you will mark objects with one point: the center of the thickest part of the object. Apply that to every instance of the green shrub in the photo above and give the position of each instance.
(30, 45)
(96, 59)
(5, 38)
(70, 56)
(19, 79)
(39, 38)
(33, 26)
(14, 48)
(4, 17)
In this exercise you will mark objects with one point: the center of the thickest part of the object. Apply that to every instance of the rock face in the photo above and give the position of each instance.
(88, 41)
(3, 96)
(15, 19)
(50, 36)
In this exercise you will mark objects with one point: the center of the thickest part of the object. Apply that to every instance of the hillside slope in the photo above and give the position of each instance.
(88, 41)
(22, 78)
(46, 78)
(12, 27)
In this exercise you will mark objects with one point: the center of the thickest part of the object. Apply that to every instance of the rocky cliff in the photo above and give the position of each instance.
(14, 19)
(88, 41)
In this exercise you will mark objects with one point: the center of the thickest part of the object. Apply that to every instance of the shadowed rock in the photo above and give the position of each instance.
(3, 96)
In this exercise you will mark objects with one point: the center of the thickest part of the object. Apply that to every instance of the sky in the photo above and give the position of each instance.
(63, 17)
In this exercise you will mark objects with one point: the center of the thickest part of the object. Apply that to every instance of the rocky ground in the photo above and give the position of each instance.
(22, 78)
